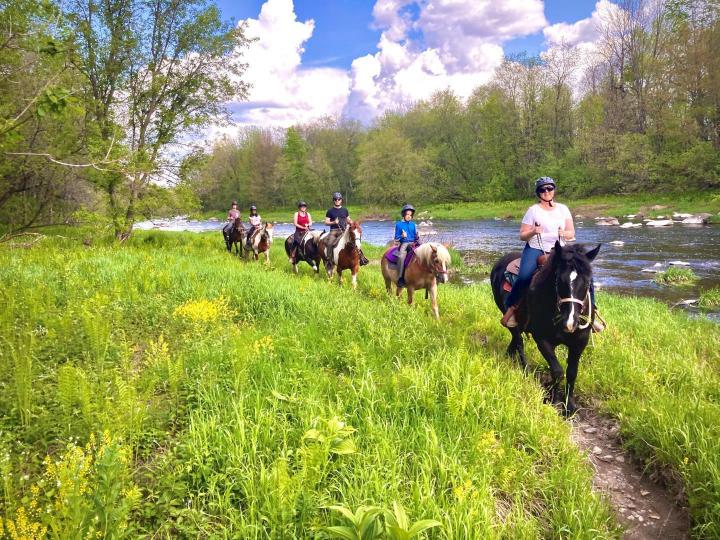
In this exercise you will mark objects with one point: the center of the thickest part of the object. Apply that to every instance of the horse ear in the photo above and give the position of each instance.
(434, 248)
(593, 253)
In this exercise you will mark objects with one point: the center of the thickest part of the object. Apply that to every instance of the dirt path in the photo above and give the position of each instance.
(645, 509)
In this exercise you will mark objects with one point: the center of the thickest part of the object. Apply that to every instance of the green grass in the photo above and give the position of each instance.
(606, 205)
(675, 276)
(710, 298)
(239, 400)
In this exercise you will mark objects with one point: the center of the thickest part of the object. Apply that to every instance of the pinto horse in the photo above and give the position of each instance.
(308, 250)
(261, 241)
(428, 266)
(345, 254)
(236, 236)
(557, 311)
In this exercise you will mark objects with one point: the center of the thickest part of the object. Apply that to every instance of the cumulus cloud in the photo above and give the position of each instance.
(283, 91)
(430, 45)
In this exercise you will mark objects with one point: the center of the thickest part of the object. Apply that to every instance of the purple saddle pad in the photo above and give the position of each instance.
(392, 255)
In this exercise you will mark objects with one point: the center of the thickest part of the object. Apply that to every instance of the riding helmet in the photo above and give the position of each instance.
(253, 207)
(406, 208)
(234, 202)
(544, 181)
(302, 203)
(337, 195)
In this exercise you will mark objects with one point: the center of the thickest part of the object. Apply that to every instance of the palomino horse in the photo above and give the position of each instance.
(308, 250)
(557, 310)
(428, 266)
(235, 236)
(345, 254)
(261, 241)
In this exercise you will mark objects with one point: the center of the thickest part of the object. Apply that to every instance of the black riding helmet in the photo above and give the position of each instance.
(301, 204)
(253, 207)
(543, 181)
(406, 208)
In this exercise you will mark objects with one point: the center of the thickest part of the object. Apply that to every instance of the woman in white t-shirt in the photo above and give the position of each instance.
(544, 223)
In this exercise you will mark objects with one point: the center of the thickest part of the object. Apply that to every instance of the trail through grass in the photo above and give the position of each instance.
(207, 396)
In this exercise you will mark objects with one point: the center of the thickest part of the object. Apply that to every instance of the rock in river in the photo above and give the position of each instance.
(659, 223)
(607, 222)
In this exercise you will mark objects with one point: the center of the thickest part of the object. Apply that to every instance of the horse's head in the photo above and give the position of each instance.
(573, 275)
(436, 258)
(238, 224)
(354, 234)
(267, 232)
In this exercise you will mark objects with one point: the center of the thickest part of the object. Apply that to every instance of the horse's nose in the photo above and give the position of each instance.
(570, 326)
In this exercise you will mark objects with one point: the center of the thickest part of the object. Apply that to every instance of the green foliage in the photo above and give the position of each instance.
(675, 276)
(710, 298)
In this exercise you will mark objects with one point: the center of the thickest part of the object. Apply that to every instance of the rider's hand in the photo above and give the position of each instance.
(538, 229)
(404, 234)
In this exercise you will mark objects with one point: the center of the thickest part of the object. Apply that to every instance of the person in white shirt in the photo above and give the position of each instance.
(255, 222)
(543, 224)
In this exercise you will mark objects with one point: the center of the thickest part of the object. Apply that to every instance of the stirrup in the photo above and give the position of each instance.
(598, 324)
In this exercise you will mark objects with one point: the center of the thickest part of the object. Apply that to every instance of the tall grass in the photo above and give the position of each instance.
(247, 401)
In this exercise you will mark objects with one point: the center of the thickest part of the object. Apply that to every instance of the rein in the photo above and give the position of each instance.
(587, 318)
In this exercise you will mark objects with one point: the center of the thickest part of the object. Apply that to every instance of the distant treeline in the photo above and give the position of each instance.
(641, 115)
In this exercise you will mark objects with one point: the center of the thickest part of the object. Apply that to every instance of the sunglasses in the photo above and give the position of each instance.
(546, 189)
(340, 199)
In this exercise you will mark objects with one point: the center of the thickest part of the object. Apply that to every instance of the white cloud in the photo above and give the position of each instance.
(430, 45)
(283, 91)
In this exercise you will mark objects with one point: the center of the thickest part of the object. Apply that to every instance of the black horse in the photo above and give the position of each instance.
(235, 234)
(307, 250)
(556, 310)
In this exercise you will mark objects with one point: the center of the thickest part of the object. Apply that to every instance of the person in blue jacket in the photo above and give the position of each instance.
(405, 237)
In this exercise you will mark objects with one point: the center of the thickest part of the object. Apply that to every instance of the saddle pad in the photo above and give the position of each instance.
(392, 255)
(513, 267)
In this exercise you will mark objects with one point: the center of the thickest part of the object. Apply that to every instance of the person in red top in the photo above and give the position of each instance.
(303, 222)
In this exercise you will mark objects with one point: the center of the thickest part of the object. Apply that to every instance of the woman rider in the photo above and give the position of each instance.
(543, 224)
(405, 237)
(255, 222)
(303, 222)
(232, 215)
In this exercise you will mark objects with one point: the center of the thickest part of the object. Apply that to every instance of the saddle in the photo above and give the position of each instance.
(392, 256)
(513, 269)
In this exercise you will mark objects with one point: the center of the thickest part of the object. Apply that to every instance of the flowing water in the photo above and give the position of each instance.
(618, 268)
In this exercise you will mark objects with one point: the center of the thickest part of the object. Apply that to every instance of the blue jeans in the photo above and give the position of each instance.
(528, 265)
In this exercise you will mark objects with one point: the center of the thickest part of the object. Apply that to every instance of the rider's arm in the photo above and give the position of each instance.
(398, 231)
(295, 220)
(569, 232)
(309, 220)
(528, 231)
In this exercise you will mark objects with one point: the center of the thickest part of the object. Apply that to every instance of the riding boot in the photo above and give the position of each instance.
(363, 259)
(508, 320)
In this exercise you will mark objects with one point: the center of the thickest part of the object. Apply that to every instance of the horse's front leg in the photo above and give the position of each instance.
(517, 348)
(354, 278)
(574, 353)
(267, 256)
(547, 349)
(432, 290)
(339, 275)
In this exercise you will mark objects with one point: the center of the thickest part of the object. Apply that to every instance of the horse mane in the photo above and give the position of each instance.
(572, 255)
(424, 252)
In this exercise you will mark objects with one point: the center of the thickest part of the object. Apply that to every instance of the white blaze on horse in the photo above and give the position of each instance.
(261, 240)
(345, 254)
(428, 265)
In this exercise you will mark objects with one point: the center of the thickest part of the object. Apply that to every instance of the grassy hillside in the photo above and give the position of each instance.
(168, 389)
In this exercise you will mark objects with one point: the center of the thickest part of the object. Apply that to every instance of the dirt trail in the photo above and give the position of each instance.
(645, 509)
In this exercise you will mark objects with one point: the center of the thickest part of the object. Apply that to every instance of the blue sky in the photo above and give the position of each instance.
(357, 58)
(344, 29)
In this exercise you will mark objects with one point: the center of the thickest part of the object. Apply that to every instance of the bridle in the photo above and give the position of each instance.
(435, 266)
(587, 319)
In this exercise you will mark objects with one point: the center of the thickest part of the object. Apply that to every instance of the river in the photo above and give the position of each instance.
(618, 268)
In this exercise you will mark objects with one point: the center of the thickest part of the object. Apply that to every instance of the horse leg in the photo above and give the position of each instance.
(295, 268)
(339, 274)
(556, 370)
(433, 299)
(354, 279)
(570, 377)
(410, 293)
(267, 256)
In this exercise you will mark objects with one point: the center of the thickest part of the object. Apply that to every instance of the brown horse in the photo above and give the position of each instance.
(236, 235)
(345, 254)
(428, 267)
(261, 241)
